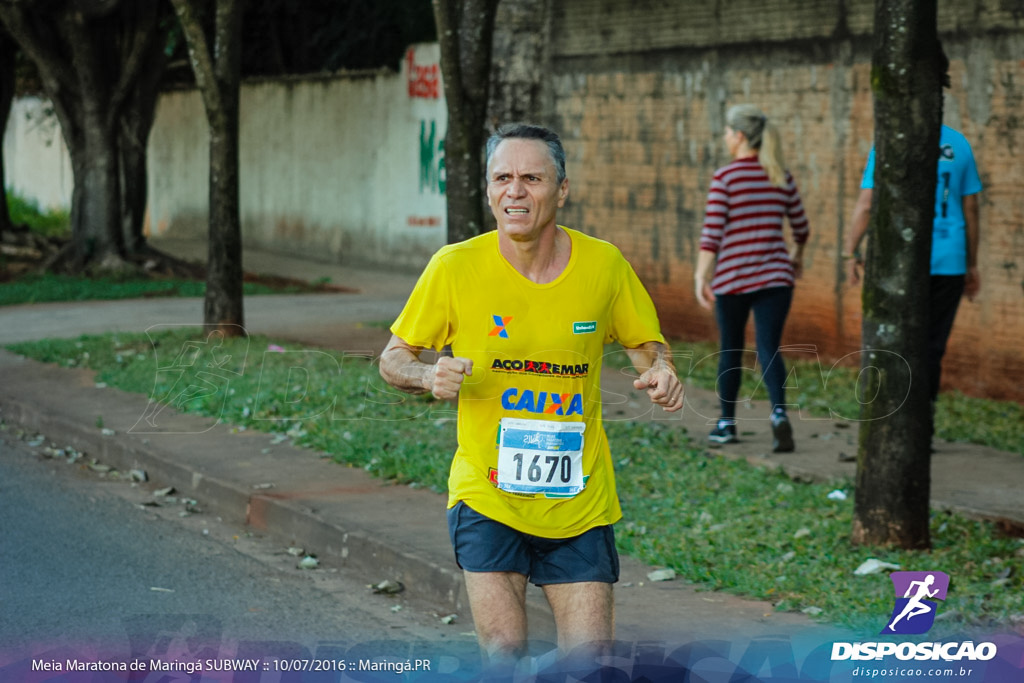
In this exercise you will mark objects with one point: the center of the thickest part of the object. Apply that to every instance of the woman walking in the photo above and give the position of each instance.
(745, 265)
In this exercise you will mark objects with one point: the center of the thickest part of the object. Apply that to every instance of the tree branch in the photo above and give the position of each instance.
(145, 33)
(86, 62)
(228, 45)
(446, 16)
(41, 51)
(476, 41)
(199, 52)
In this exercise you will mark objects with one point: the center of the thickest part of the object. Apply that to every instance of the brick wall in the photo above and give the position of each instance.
(639, 89)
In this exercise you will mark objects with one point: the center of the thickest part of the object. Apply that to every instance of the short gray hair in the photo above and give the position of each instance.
(526, 131)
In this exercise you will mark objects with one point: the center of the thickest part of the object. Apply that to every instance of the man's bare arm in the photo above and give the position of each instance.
(653, 361)
(858, 227)
(401, 367)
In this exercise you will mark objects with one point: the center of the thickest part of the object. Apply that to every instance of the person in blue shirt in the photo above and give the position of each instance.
(955, 233)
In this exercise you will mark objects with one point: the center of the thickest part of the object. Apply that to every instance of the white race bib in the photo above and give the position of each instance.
(540, 456)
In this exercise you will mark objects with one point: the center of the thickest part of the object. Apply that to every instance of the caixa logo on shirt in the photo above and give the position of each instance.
(545, 402)
(500, 328)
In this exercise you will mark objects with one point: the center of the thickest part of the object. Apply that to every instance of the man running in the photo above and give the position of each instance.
(527, 310)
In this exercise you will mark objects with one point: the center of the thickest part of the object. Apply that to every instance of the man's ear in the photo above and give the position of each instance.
(563, 192)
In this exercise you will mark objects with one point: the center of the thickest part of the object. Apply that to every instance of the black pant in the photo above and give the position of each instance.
(944, 295)
(770, 306)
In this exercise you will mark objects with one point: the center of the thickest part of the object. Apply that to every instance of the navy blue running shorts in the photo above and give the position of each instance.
(483, 545)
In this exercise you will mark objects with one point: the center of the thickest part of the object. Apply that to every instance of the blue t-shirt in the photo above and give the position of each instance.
(958, 177)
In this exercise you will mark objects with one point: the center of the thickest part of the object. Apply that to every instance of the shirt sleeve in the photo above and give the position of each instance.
(426, 320)
(716, 214)
(633, 320)
(795, 212)
(971, 181)
(867, 181)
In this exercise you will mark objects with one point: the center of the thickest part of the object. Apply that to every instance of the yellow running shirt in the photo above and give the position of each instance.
(532, 452)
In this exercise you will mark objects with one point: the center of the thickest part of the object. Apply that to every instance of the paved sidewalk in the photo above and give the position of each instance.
(387, 531)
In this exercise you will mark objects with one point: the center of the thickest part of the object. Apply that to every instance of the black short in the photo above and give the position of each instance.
(483, 545)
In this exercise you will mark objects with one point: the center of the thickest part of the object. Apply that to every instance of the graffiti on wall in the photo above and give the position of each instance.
(424, 79)
(432, 175)
(432, 171)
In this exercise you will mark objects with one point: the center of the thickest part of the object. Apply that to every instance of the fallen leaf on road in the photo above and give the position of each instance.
(873, 566)
(389, 587)
(662, 575)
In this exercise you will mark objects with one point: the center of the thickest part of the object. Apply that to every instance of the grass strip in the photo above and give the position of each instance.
(722, 524)
(45, 288)
(831, 390)
(50, 223)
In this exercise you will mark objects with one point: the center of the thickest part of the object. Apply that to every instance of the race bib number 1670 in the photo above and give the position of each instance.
(540, 456)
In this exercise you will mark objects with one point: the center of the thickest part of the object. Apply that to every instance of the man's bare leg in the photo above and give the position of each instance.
(498, 603)
(584, 613)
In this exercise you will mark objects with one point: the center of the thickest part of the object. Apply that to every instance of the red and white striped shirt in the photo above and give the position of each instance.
(743, 225)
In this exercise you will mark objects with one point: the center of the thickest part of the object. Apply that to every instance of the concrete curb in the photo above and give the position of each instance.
(281, 519)
(287, 513)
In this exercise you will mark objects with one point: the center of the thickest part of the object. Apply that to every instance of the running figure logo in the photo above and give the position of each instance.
(914, 613)
(201, 369)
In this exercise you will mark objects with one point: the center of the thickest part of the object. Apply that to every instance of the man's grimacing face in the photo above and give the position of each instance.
(522, 188)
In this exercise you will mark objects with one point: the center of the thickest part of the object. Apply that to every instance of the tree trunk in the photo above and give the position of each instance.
(223, 305)
(136, 122)
(894, 460)
(465, 30)
(218, 74)
(91, 58)
(133, 137)
(96, 233)
(521, 56)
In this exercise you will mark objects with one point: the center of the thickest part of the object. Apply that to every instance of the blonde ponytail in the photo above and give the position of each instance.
(770, 155)
(762, 136)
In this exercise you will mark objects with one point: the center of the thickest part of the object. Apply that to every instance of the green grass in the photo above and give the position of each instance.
(728, 526)
(52, 223)
(722, 524)
(823, 390)
(34, 289)
(42, 288)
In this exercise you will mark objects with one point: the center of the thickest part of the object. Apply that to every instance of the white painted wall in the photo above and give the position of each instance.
(36, 162)
(330, 168)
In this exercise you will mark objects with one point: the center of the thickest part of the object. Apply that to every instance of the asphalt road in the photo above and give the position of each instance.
(86, 570)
